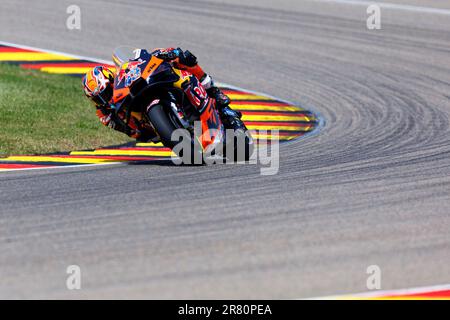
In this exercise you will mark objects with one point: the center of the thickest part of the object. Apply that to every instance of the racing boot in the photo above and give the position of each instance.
(221, 98)
(230, 117)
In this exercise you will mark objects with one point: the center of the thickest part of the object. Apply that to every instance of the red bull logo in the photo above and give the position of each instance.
(130, 71)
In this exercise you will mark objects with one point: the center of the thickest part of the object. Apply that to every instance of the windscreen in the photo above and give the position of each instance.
(124, 54)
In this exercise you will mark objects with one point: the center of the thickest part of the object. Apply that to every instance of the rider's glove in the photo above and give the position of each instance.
(167, 55)
(112, 124)
(187, 58)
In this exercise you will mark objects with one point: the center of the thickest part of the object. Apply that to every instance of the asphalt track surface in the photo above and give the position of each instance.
(373, 187)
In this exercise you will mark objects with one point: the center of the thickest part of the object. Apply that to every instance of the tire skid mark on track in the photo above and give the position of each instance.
(260, 113)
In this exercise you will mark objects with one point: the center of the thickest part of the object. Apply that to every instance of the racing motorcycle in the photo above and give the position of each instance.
(168, 99)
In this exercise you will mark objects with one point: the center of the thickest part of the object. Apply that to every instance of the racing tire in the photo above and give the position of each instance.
(165, 127)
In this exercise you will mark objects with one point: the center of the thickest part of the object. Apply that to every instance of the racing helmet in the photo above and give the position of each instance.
(98, 84)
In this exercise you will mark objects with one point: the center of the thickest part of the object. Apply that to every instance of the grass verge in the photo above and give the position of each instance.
(43, 113)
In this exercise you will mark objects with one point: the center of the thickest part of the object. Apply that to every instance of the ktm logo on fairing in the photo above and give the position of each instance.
(150, 69)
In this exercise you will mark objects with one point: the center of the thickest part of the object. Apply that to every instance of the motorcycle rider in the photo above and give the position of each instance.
(98, 86)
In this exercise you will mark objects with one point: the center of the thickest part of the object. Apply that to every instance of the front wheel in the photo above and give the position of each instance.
(174, 136)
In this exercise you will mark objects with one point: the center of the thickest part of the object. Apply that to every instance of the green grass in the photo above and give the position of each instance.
(43, 113)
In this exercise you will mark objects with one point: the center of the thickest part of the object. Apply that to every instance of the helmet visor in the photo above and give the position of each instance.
(103, 98)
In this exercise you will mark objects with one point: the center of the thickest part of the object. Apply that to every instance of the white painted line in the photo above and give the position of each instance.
(393, 6)
(385, 293)
(56, 52)
(310, 133)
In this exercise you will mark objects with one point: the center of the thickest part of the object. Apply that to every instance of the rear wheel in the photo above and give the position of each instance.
(181, 143)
